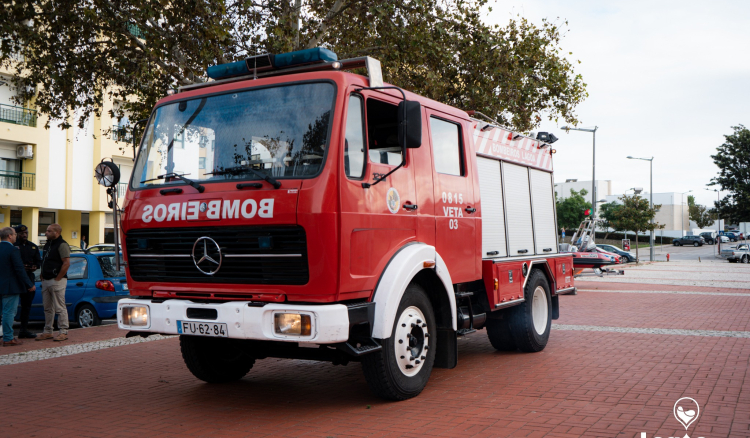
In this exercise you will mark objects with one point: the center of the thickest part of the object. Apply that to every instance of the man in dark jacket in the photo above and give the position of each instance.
(13, 283)
(31, 261)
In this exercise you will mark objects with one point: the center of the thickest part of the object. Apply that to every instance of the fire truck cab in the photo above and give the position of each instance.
(292, 209)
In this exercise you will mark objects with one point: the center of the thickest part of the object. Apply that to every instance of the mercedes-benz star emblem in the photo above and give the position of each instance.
(207, 255)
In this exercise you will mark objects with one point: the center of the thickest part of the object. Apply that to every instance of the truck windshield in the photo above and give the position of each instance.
(280, 131)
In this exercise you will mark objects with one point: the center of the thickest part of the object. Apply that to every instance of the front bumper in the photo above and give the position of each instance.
(244, 319)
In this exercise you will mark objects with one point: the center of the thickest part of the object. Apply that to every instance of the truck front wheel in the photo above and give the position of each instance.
(401, 369)
(531, 321)
(215, 360)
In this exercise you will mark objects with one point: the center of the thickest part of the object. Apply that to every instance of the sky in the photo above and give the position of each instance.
(666, 79)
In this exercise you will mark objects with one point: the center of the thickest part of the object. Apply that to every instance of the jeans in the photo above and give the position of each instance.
(10, 307)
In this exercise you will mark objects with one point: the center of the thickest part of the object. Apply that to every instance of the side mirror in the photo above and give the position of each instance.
(409, 124)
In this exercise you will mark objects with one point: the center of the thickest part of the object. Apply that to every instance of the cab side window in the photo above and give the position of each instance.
(446, 146)
(77, 270)
(382, 133)
(354, 145)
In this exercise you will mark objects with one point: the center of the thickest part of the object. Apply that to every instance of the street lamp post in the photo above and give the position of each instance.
(718, 221)
(651, 199)
(593, 165)
(682, 214)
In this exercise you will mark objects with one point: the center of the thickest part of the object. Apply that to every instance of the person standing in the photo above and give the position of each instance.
(55, 264)
(84, 245)
(31, 262)
(13, 283)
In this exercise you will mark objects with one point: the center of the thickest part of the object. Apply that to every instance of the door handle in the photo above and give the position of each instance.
(523, 251)
(411, 207)
(79, 284)
(470, 209)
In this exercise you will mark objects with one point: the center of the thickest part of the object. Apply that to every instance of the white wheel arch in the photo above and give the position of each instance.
(398, 274)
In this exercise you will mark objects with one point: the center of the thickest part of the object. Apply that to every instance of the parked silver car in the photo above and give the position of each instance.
(739, 253)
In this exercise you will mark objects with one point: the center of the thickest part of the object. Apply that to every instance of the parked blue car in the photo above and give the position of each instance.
(94, 288)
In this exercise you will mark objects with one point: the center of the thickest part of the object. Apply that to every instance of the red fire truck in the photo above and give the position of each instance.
(292, 209)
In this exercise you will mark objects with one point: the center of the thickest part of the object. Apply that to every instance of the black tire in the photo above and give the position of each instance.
(526, 337)
(678, 244)
(215, 360)
(745, 259)
(696, 244)
(86, 316)
(498, 331)
(383, 369)
(675, 243)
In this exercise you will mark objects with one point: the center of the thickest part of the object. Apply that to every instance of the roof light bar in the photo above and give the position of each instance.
(268, 61)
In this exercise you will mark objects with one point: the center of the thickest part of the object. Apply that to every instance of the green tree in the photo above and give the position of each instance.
(733, 160)
(608, 217)
(636, 215)
(75, 53)
(699, 213)
(570, 211)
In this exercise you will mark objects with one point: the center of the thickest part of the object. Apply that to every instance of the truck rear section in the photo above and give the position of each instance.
(299, 211)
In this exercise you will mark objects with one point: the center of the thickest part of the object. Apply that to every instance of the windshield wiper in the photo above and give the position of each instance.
(192, 183)
(238, 170)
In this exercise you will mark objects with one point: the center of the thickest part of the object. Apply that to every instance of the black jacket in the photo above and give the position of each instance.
(52, 261)
(13, 278)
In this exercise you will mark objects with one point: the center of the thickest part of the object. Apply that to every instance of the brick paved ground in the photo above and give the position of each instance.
(585, 383)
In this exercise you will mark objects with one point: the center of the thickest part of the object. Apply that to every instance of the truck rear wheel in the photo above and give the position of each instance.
(215, 360)
(498, 330)
(401, 369)
(531, 321)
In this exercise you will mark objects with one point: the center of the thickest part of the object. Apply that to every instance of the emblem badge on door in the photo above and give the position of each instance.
(393, 200)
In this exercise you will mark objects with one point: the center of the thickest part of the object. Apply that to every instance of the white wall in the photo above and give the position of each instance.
(83, 167)
(57, 166)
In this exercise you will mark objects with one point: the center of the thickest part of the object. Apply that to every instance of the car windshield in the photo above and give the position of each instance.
(280, 131)
(107, 262)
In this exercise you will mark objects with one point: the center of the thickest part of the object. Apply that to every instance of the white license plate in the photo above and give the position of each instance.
(125, 286)
(215, 329)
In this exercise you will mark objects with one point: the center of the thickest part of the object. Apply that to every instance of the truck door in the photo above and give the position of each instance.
(455, 214)
(375, 221)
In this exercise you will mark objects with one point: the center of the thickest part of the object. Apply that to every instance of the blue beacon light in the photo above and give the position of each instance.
(268, 61)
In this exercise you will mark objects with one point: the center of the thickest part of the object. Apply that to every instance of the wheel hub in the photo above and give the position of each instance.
(539, 310)
(412, 339)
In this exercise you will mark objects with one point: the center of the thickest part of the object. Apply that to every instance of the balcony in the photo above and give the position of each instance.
(17, 180)
(121, 133)
(17, 115)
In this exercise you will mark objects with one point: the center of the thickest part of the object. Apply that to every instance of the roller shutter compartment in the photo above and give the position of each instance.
(543, 203)
(518, 214)
(493, 214)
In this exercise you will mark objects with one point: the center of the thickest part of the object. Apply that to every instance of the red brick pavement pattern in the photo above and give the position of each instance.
(581, 284)
(691, 312)
(75, 336)
(584, 384)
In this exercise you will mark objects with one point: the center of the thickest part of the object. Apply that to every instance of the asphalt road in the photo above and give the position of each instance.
(682, 252)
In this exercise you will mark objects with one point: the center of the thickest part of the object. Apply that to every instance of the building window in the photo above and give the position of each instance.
(201, 162)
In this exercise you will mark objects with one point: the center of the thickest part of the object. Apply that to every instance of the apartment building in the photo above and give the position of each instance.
(47, 175)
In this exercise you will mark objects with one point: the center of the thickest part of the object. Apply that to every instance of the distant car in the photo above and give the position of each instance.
(101, 247)
(709, 238)
(739, 253)
(723, 239)
(734, 237)
(689, 240)
(93, 290)
(626, 256)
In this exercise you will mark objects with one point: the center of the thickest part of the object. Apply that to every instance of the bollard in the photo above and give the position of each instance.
(667, 256)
